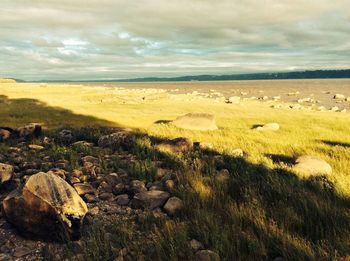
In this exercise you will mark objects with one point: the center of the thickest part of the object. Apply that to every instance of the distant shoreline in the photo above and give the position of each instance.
(298, 75)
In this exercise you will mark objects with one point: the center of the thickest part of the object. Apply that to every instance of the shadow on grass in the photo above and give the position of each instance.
(336, 143)
(257, 214)
(162, 122)
(18, 112)
(278, 158)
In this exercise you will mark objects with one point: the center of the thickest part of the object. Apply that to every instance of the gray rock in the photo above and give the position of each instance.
(173, 206)
(311, 165)
(269, 127)
(207, 255)
(29, 131)
(150, 199)
(137, 186)
(122, 200)
(66, 135)
(116, 140)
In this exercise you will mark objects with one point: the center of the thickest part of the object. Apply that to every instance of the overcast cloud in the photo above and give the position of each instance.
(110, 39)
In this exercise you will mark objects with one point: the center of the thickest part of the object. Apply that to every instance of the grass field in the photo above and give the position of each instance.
(266, 210)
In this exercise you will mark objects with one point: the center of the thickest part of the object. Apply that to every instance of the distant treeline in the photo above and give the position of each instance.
(317, 74)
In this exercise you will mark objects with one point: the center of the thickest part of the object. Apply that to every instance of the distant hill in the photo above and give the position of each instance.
(316, 74)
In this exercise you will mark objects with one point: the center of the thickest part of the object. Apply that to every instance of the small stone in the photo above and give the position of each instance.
(223, 175)
(93, 211)
(35, 147)
(84, 188)
(173, 206)
(122, 200)
(106, 196)
(90, 198)
(169, 185)
(137, 186)
(150, 199)
(4, 134)
(5, 257)
(207, 255)
(119, 189)
(6, 173)
(196, 245)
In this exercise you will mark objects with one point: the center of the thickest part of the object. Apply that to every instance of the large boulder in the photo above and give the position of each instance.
(47, 207)
(310, 165)
(196, 121)
(115, 140)
(6, 173)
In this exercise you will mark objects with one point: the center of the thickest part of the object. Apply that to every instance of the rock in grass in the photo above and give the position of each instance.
(29, 131)
(196, 121)
(339, 96)
(6, 173)
(116, 140)
(4, 134)
(47, 206)
(207, 255)
(173, 206)
(269, 127)
(177, 145)
(150, 199)
(196, 245)
(311, 165)
(83, 188)
(222, 175)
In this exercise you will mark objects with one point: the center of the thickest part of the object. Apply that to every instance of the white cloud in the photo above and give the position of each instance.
(85, 39)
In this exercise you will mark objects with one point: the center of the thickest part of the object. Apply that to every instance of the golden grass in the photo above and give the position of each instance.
(325, 134)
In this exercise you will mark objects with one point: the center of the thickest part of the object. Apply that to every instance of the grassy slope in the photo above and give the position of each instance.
(265, 210)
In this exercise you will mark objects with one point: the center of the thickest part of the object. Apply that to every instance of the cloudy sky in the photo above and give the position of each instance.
(110, 39)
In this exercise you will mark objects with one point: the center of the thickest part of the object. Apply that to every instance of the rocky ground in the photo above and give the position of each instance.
(126, 193)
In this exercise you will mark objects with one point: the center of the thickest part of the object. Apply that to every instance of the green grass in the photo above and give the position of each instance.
(264, 211)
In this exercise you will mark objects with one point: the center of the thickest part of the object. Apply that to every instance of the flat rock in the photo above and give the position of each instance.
(269, 127)
(196, 121)
(83, 188)
(311, 165)
(47, 206)
(207, 255)
(150, 199)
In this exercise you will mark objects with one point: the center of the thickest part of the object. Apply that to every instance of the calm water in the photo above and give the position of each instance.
(321, 90)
